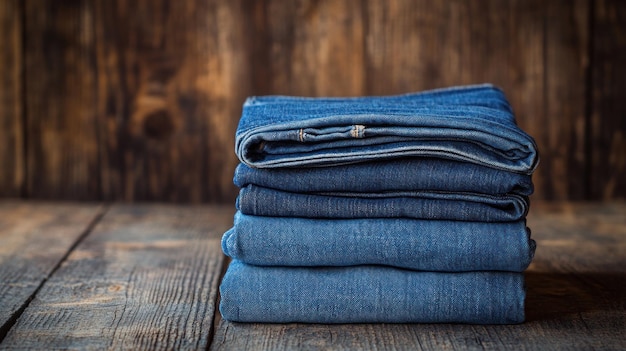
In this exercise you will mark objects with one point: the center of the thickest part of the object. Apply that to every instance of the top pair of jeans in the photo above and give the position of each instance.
(472, 124)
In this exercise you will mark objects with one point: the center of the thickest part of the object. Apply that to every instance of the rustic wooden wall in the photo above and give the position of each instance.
(11, 114)
(139, 100)
(607, 120)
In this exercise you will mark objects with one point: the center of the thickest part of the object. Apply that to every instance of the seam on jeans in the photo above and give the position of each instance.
(301, 134)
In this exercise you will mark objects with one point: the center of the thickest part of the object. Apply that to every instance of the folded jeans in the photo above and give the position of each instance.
(447, 246)
(293, 132)
(369, 294)
(260, 201)
(390, 175)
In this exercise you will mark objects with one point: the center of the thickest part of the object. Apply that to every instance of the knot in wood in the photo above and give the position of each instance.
(158, 125)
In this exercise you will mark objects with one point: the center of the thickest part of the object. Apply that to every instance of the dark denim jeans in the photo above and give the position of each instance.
(254, 200)
(404, 174)
(408, 187)
(448, 246)
(369, 294)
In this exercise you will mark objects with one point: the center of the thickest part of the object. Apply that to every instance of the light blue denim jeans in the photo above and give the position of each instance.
(369, 294)
(448, 246)
(446, 124)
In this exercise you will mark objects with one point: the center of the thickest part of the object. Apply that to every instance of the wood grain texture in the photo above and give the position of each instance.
(62, 138)
(171, 82)
(576, 299)
(34, 238)
(559, 125)
(310, 48)
(144, 279)
(608, 119)
(11, 99)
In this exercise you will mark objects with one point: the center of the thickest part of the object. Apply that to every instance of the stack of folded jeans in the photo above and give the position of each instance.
(395, 209)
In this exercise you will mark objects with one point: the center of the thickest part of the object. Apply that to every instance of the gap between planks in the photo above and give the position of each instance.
(4, 329)
(168, 302)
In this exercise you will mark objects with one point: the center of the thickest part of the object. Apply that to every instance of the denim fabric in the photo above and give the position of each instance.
(294, 132)
(259, 201)
(395, 175)
(448, 246)
(369, 294)
(398, 209)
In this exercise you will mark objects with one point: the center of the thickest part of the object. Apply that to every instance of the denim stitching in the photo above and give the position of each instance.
(357, 131)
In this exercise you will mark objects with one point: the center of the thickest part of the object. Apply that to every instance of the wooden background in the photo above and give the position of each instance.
(139, 100)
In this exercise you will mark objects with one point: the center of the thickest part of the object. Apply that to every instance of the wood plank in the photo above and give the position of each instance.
(576, 299)
(608, 114)
(11, 125)
(410, 48)
(171, 81)
(62, 138)
(560, 124)
(34, 239)
(311, 48)
(145, 278)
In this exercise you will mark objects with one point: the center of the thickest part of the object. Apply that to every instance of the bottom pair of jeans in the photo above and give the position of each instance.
(369, 294)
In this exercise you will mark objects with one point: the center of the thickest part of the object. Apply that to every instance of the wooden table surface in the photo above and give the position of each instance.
(91, 276)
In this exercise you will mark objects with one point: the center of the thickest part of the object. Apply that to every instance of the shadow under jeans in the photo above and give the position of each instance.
(553, 295)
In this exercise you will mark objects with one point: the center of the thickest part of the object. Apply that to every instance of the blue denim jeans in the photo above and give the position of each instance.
(446, 124)
(404, 174)
(406, 208)
(369, 294)
(445, 246)
(259, 201)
